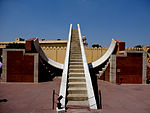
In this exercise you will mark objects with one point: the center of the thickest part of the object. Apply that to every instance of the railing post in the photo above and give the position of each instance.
(100, 100)
(53, 98)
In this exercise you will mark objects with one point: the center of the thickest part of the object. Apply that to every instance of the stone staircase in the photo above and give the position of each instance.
(77, 91)
(104, 68)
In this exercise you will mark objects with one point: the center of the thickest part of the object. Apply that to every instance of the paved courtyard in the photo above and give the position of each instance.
(37, 98)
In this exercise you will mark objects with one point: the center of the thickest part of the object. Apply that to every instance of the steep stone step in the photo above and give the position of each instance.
(75, 52)
(75, 56)
(76, 66)
(77, 84)
(75, 46)
(100, 73)
(75, 40)
(77, 90)
(76, 74)
(76, 63)
(79, 104)
(79, 61)
(76, 79)
(75, 60)
(77, 97)
(76, 70)
(75, 49)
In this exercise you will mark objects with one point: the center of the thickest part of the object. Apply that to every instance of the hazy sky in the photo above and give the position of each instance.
(100, 20)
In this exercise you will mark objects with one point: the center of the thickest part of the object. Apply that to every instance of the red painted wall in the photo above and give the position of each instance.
(120, 46)
(148, 71)
(130, 68)
(20, 68)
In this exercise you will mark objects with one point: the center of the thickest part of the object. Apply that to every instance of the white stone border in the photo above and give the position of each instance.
(112, 73)
(63, 86)
(43, 55)
(106, 55)
(144, 70)
(91, 96)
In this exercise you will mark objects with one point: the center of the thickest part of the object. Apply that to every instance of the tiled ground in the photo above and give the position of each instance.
(37, 98)
(28, 97)
(125, 98)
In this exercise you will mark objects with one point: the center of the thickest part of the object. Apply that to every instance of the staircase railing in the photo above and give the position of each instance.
(92, 101)
(63, 86)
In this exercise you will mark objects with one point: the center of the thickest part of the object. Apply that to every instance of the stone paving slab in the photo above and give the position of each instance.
(125, 98)
(28, 97)
(37, 98)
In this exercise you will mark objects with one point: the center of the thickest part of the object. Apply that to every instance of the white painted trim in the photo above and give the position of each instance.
(144, 70)
(106, 55)
(63, 86)
(43, 55)
(91, 96)
(112, 77)
(36, 67)
(4, 66)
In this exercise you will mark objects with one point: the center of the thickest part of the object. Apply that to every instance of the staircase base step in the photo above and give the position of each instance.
(77, 90)
(78, 104)
(77, 97)
(77, 84)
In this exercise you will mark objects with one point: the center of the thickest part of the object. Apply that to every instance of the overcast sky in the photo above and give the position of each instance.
(100, 20)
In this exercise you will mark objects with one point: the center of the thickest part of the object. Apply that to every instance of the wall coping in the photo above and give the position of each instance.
(91, 96)
(43, 55)
(63, 86)
(106, 55)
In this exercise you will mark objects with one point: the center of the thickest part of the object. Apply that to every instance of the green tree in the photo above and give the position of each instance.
(138, 46)
(96, 45)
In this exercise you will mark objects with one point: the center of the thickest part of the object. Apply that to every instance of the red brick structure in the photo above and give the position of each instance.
(129, 68)
(19, 66)
(120, 46)
(26, 65)
(148, 72)
(126, 66)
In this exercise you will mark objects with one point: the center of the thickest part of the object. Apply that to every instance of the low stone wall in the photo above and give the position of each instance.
(92, 54)
(58, 53)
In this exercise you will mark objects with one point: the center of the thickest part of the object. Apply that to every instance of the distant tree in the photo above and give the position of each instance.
(96, 45)
(148, 50)
(15, 46)
(138, 46)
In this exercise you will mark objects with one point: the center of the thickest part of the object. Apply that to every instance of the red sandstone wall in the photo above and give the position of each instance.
(130, 68)
(120, 46)
(106, 74)
(20, 68)
(148, 71)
